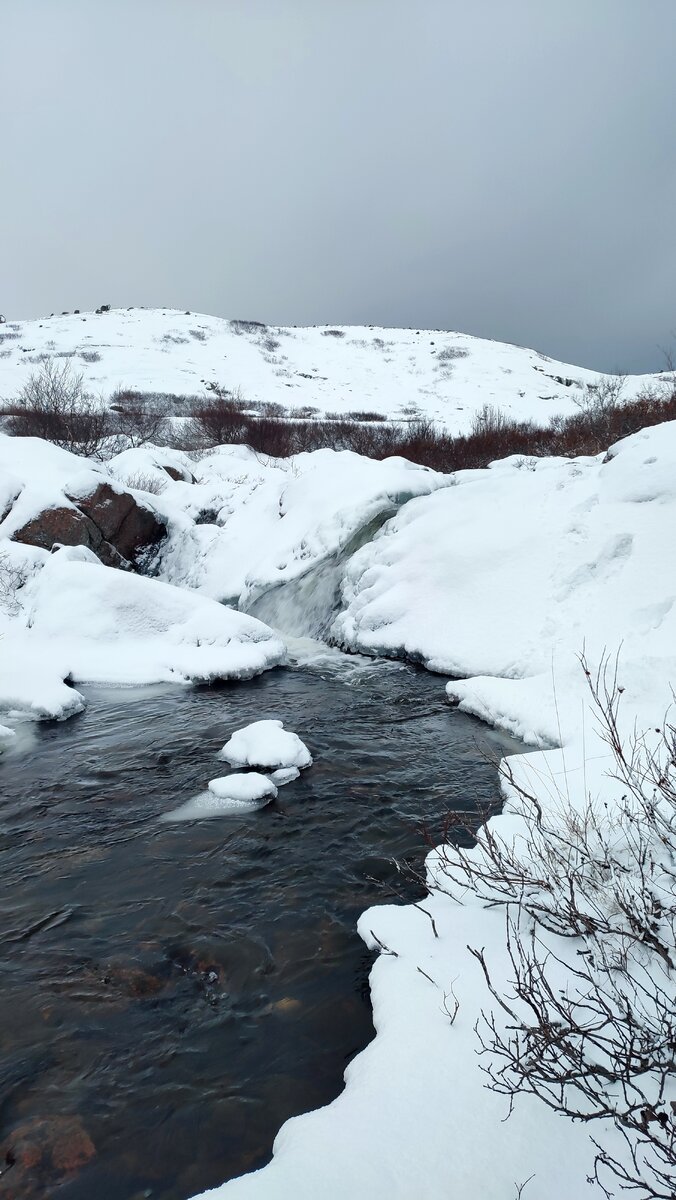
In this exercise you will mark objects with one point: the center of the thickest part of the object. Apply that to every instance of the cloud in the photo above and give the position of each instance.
(503, 169)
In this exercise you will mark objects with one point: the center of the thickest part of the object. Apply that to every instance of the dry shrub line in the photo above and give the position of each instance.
(53, 405)
(602, 418)
(590, 1030)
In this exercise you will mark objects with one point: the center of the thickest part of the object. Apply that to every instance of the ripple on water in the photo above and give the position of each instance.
(173, 992)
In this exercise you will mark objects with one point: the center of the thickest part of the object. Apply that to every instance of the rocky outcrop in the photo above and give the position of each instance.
(109, 521)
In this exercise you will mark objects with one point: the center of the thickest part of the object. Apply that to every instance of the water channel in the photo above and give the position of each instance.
(172, 993)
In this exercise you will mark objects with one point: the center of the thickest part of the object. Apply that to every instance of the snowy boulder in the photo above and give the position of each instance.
(249, 787)
(130, 527)
(107, 520)
(266, 744)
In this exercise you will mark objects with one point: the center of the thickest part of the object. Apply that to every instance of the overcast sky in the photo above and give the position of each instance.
(500, 167)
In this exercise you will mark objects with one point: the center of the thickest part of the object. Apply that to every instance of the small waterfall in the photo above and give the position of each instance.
(305, 607)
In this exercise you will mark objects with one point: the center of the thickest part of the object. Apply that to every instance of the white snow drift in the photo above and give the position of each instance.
(83, 622)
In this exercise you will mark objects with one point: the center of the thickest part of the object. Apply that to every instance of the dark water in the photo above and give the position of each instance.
(171, 993)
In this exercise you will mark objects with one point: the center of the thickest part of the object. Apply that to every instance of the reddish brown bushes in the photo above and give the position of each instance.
(602, 419)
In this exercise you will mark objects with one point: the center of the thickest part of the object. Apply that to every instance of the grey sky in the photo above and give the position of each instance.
(501, 167)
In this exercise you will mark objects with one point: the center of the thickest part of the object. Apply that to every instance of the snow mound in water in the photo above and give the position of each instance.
(284, 775)
(249, 787)
(229, 795)
(265, 744)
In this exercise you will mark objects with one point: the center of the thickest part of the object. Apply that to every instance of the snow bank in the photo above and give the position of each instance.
(83, 622)
(510, 574)
(265, 744)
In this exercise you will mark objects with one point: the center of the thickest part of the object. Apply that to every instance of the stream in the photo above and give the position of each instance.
(173, 992)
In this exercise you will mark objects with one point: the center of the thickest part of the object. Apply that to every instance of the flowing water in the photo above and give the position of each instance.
(171, 993)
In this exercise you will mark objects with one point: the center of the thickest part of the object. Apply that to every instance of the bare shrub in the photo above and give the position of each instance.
(590, 1031)
(449, 354)
(238, 326)
(198, 334)
(141, 417)
(225, 417)
(90, 356)
(54, 405)
(12, 579)
(365, 415)
(304, 412)
(216, 420)
(143, 482)
(334, 333)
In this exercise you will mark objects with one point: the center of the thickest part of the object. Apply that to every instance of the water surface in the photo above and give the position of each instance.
(171, 993)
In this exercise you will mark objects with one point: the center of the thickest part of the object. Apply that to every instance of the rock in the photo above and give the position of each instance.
(126, 524)
(180, 476)
(109, 521)
(41, 1154)
(67, 526)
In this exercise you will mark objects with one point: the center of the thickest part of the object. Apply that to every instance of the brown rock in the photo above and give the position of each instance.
(67, 526)
(127, 525)
(41, 1154)
(113, 524)
(181, 476)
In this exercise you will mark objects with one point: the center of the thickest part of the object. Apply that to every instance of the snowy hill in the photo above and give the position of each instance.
(395, 372)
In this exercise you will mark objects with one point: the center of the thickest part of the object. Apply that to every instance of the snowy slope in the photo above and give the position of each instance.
(396, 372)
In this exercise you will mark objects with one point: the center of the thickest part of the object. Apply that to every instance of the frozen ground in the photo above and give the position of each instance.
(395, 372)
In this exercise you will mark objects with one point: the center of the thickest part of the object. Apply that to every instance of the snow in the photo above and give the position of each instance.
(229, 795)
(284, 775)
(270, 522)
(265, 744)
(396, 372)
(83, 622)
(251, 786)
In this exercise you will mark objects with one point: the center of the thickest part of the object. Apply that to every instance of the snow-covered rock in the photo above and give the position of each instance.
(265, 744)
(83, 622)
(227, 796)
(249, 787)
(51, 497)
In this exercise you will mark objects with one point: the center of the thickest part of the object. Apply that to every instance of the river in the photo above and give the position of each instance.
(173, 992)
